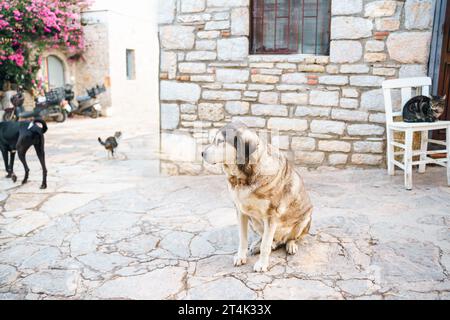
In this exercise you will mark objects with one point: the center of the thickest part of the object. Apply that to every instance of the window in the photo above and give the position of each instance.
(291, 26)
(131, 65)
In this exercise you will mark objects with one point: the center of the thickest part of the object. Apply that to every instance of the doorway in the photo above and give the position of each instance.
(54, 72)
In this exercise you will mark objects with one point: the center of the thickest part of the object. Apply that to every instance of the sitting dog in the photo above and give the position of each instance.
(19, 137)
(266, 190)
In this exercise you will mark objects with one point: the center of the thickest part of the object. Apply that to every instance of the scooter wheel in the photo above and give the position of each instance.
(9, 116)
(60, 118)
(94, 114)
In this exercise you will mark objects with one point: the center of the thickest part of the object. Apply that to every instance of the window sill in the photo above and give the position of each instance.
(293, 58)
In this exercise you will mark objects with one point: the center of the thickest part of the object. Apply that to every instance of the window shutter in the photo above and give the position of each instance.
(294, 19)
(257, 26)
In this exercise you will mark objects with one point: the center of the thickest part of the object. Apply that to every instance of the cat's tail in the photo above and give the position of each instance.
(101, 142)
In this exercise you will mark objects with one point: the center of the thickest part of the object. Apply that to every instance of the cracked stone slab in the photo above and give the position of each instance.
(20, 201)
(53, 282)
(61, 204)
(139, 245)
(219, 265)
(28, 223)
(83, 243)
(15, 214)
(3, 196)
(6, 184)
(319, 259)
(297, 289)
(7, 274)
(16, 254)
(177, 243)
(104, 262)
(156, 285)
(413, 261)
(357, 287)
(108, 222)
(33, 187)
(54, 233)
(222, 217)
(42, 259)
(95, 188)
(10, 296)
(201, 247)
(222, 289)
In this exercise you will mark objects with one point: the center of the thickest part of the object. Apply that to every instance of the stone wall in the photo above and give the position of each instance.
(111, 29)
(94, 66)
(326, 110)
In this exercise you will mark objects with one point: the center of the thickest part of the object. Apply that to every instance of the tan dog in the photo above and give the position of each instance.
(266, 190)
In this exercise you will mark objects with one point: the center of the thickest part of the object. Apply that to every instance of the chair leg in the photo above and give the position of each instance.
(423, 151)
(448, 156)
(390, 152)
(408, 159)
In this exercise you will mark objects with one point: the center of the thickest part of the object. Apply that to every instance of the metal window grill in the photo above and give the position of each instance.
(290, 26)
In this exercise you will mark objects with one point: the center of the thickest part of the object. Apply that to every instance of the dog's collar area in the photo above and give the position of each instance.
(237, 182)
(32, 124)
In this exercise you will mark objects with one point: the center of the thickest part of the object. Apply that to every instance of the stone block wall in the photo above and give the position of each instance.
(94, 67)
(324, 110)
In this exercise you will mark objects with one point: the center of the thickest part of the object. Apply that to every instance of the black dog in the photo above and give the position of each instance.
(20, 136)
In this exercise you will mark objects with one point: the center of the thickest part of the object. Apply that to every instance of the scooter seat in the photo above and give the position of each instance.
(27, 114)
(83, 98)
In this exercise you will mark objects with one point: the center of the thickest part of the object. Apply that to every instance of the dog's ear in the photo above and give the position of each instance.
(244, 149)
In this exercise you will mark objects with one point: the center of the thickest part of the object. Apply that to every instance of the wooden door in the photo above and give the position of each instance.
(55, 72)
(444, 72)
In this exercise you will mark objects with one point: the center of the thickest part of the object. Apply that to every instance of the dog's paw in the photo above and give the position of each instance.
(43, 187)
(276, 245)
(24, 182)
(240, 260)
(14, 178)
(292, 247)
(261, 266)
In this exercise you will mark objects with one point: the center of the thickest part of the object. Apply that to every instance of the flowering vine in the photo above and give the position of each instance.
(27, 27)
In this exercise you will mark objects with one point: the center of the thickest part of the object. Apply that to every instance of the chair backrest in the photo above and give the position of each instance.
(420, 85)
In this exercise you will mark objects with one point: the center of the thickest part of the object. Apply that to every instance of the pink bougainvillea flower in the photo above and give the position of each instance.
(18, 58)
(30, 26)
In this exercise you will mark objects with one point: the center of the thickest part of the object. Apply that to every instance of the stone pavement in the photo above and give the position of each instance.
(115, 229)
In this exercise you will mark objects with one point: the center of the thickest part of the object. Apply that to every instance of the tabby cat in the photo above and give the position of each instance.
(111, 144)
(424, 109)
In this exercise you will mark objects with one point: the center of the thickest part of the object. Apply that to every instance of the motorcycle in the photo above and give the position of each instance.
(49, 107)
(12, 114)
(88, 105)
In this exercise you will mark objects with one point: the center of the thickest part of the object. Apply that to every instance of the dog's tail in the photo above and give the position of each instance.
(101, 142)
(42, 123)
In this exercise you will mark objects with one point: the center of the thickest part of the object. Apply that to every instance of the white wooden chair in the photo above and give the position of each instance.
(421, 86)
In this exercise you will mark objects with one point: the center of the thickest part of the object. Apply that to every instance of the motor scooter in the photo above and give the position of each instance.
(48, 108)
(87, 105)
(12, 114)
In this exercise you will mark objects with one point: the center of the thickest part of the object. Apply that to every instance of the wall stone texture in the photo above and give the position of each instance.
(327, 111)
(93, 69)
